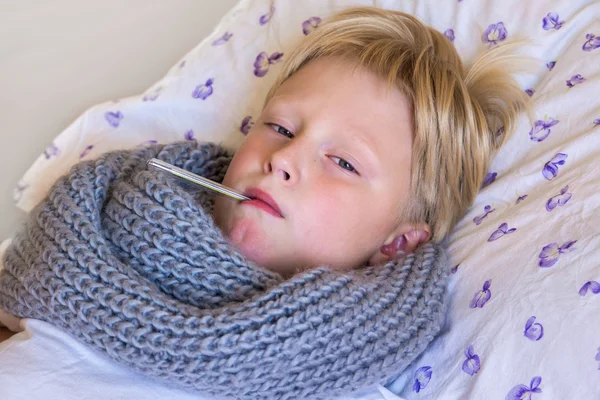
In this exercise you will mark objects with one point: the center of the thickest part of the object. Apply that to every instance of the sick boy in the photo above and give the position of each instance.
(373, 141)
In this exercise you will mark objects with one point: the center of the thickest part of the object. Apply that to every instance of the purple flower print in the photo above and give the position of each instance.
(182, 64)
(51, 151)
(472, 364)
(189, 135)
(549, 254)
(247, 124)
(533, 330)
(19, 190)
(223, 39)
(310, 25)
(559, 200)
(494, 33)
(482, 296)
(591, 42)
(86, 151)
(487, 210)
(530, 92)
(455, 268)
(521, 198)
(596, 122)
(422, 377)
(592, 286)
(262, 62)
(597, 358)
(521, 392)
(449, 33)
(575, 80)
(550, 65)
(541, 129)
(551, 21)
(489, 179)
(266, 17)
(203, 91)
(113, 118)
(551, 167)
(501, 231)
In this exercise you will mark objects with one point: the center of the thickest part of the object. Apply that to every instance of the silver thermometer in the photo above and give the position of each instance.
(187, 176)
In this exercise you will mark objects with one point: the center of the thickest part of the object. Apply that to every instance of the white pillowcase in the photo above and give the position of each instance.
(526, 292)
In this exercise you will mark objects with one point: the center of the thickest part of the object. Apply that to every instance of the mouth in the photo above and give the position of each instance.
(262, 200)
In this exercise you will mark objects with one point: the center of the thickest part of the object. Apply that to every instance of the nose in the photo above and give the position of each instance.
(283, 163)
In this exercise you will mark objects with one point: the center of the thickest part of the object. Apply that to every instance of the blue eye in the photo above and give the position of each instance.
(344, 164)
(280, 129)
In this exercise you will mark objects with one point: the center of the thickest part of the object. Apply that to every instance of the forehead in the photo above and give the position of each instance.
(358, 103)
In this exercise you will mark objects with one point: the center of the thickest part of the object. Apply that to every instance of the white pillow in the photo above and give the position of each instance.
(525, 307)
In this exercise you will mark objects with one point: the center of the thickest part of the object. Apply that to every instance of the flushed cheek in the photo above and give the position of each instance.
(250, 239)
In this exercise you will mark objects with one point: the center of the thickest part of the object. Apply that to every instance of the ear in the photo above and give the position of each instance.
(404, 240)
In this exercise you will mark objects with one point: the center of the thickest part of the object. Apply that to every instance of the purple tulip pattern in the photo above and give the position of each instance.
(550, 170)
(246, 125)
(421, 378)
(449, 33)
(541, 129)
(592, 42)
(521, 198)
(489, 179)
(482, 296)
(265, 18)
(487, 210)
(575, 80)
(310, 25)
(113, 118)
(455, 268)
(223, 39)
(263, 61)
(597, 358)
(86, 151)
(550, 253)
(550, 65)
(494, 34)
(596, 122)
(51, 151)
(559, 200)
(203, 91)
(551, 21)
(501, 231)
(189, 135)
(522, 392)
(592, 286)
(533, 330)
(472, 364)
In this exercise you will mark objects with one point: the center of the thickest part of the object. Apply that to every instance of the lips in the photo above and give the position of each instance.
(263, 200)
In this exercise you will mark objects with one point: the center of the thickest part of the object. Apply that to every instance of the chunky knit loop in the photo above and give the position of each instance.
(132, 264)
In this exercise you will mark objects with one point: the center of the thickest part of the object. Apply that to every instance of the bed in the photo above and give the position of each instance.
(525, 286)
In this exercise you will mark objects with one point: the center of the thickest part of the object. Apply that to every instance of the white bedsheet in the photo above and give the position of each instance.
(525, 312)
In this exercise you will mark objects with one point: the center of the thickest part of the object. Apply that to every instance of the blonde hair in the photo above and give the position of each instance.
(457, 111)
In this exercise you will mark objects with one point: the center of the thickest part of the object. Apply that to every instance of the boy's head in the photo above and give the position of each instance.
(373, 140)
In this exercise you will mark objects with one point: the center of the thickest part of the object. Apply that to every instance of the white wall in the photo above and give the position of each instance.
(59, 57)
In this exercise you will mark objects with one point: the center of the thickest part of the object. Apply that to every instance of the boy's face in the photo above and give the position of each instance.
(333, 149)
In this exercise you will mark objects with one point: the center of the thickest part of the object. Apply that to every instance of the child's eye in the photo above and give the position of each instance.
(344, 164)
(282, 130)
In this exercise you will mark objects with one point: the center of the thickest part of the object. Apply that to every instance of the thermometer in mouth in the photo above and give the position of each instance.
(189, 177)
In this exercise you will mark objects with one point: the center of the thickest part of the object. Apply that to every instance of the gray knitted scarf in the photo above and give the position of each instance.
(132, 264)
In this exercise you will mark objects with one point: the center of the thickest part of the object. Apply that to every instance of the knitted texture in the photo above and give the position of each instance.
(132, 264)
